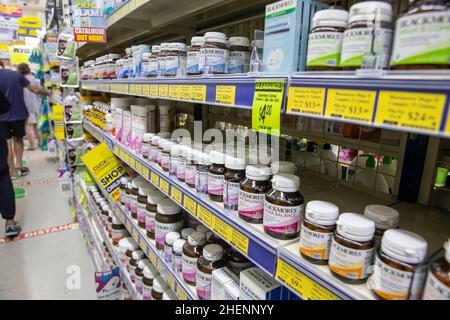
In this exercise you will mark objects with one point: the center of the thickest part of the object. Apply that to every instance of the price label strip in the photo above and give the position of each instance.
(163, 90)
(146, 89)
(190, 205)
(225, 94)
(222, 228)
(164, 186)
(304, 286)
(239, 240)
(181, 294)
(198, 93)
(205, 215)
(143, 245)
(306, 100)
(154, 90)
(356, 105)
(170, 280)
(266, 108)
(176, 195)
(185, 92)
(154, 179)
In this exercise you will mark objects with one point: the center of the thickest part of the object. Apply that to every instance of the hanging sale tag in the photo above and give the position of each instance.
(266, 109)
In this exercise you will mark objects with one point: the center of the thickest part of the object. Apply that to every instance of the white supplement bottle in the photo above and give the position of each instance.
(168, 218)
(164, 117)
(171, 237)
(438, 281)
(177, 258)
(193, 56)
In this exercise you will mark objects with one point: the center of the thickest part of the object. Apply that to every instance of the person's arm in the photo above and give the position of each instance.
(38, 90)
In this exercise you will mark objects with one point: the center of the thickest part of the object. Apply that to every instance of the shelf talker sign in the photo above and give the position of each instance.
(106, 168)
(89, 21)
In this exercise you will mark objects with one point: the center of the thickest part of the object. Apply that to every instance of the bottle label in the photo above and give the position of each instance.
(435, 289)
(139, 124)
(146, 292)
(141, 212)
(217, 59)
(251, 205)
(177, 262)
(422, 38)
(132, 273)
(231, 195)
(181, 169)
(165, 161)
(171, 66)
(153, 153)
(324, 49)
(161, 64)
(238, 267)
(215, 184)
(282, 220)
(150, 221)
(189, 174)
(152, 67)
(161, 229)
(139, 284)
(189, 268)
(315, 244)
(173, 165)
(192, 62)
(358, 42)
(201, 181)
(133, 203)
(239, 62)
(390, 283)
(168, 254)
(350, 263)
(145, 150)
(203, 285)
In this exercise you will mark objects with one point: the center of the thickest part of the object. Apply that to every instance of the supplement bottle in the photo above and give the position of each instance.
(118, 231)
(182, 160)
(193, 55)
(142, 203)
(153, 153)
(317, 231)
(352, 248)
(165, 155)
(128, 195)
(136, 256)
(369, 33)
(283, 207)
(252, 193)
(175, 62)
(202, 228)
(283, 167)
(146, 143)
(421, 39)
(384, 217)
(171, 237)
(153, 198)
(131, 246)
(234, 174)
(192, 250)
(140, 274)
(239, 55)
(161, 143)
(135, 184)
(153, 67)
(104, 214)
(161, 59)
(201, 173)
(236, 262)
(325, 39)
(216, 176)
(150, 273)
(438, 281)
(168, 218)
(109, 224)
(211, 260)
(191, 166)
(177, 257)
(186, 232)
(123, 188)
(124, 245)
(395, 264)
(214, 53)
(159, 285)
(174, 158)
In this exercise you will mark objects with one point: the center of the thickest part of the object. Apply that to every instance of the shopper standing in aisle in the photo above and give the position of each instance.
(33, 104)
(12, 84)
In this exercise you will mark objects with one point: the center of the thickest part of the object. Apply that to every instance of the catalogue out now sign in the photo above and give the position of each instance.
(90, 35)
(89, 21)
(106, 168)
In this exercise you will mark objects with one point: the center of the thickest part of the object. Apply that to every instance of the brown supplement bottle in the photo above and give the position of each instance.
(239, 55)
(252, 193)
(123, 188)
(153, 62)
(216, 176)
(140, 274)
(237, 262)
(211, 260)
(168, 218)
(159, 285)
(136, 256)
(150, 273)
(164, 51)
(192, 250)
(118, 231)
(317, 231)
(193, 56)
(134, 193)
(352, 248)
(153, 197)
(153, 152)
(234, 174)
(438, 281)
(128, 196)
(214, 54)
(142, 203)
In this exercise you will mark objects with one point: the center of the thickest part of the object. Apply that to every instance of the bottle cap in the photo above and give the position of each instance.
(147, 136)
(186, 232)
(154, 196)
(178, 245)
(202, 228)
(145, 189)
(167, 145)
(197, 238)
(178, 46)
(167, 207)
(404, 245)
(142, 263)
(285, 182)
(175, 150)
(384, 217)
(321, 212)
(203, 159)
(105, 207)
(161, 142)
(239, 41)
(159, 284)
(283, 167)
(258, 172)
(213, 252)
(138, 255)
(117, 221)
(155, 139)
(330, 18)
(371, 11)
(164, 46)
(215, 37)
(171, 237)
(355, 227)
(156, 48)
(197, 41)
(150, 272)
(234, 163)
(217, 157)
(128, 244)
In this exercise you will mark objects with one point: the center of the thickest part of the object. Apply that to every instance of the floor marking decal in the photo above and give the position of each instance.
(41, 232)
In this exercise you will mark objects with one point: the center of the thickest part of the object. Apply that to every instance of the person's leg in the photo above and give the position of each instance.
(18, 149)
(37, 134)
(10, 161)
(18, 134)
(30, 134)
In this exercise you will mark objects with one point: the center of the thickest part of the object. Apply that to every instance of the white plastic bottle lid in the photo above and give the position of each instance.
(167, 145)
(155, 139)
(159, 285)
(216, 37)
(321, 212)
(145, 189)
(169, 295)
(186, 232)
(164, 46)
(202, 228)
(154, 196)
(175, 150)
(148, 136)
(239, 41)
(404, 246)
(283, 167)
(355, 227)
(171, 237)
(203, 159)
(142, 263)
(285, 182)
(127, 243)
(167, 207)
(197, 41)
(213, 252)
(161, 142)
(384, 217)
(197, 238)
(105, 207)
(371, 11)
(137, 255)
(234, 163)
(257, 172)
(156, 48)
(137, 182)
(330, 18)
(150, 272)
(178, 46)
(178, 245)
(217, 157)
(145, 55)
(110, 214)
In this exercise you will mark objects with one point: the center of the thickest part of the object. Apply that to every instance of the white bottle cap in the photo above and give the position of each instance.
(155, 139)
(128, 244)
(178, 46)
(175, 150)
(330, 18)
(203, 159)
(167, 145)
(217, 157)
(239, 41)
(145, 189)
(234, 163)
(138, 255)
(165, 46)
(197, 238)
(258, 172)
(285, 182)
(215, 37)
(178, 245)
(202, 228)
(110, 214)
(171, 237)
(105, 207)
(371, 11)
(169, 295)
(156, 48)
(142, 263)
(116, 221)
(159, 284)
(404, 245)
(355, 227)
(150, 272)
(384, 217)
(283, 167)
(154, 196)
(161, 142)
(137, 182)
(167, 207)
(148, 136)
(197, 41)
(213, 252)
(186, 232)
(321, 212)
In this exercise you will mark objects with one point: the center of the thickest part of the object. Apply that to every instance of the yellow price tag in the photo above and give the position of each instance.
(173, 91)
(145, 172)
(190, 205)
(266, 109)
(170, 280)
(160, 266)
(164, 186)
(181, 294)
(176, 195)
(146, 89)
(205, 215)
(138, 167)
(152, 257)
(163, 90)
(138, 88)
(154, 179)
(120, 153)
(351, 104)
(154, 90)
(239, 240)
(132, 86)
(411, 109)
(143, 245)
(60, 133)
(306, 100)
(116, 149)
(225, 94)
(198, 93)
(304, 286)
(128, 225)
(185, 92)
(135, 235)
(132, 162)
(222, 228)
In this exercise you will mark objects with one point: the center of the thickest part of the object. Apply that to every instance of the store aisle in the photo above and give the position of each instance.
(37, 267)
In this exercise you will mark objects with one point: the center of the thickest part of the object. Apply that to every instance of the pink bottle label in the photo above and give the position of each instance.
(215, 184)
(203, 285)
(189, 268)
